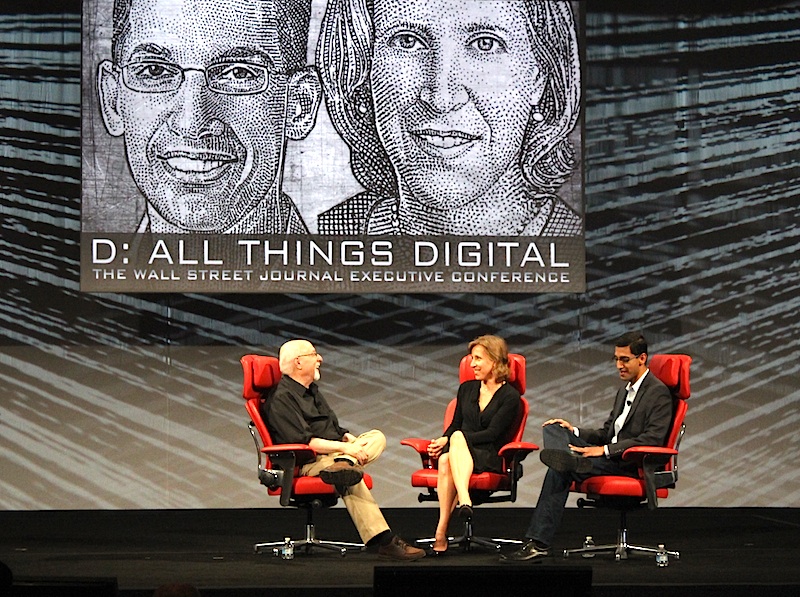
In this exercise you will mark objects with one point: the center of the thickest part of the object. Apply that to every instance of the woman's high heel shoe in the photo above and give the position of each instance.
(464, 511)
(438, 552)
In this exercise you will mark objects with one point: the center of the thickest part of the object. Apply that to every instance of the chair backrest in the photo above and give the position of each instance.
(673, 371)
(516, 377)
(261, 374)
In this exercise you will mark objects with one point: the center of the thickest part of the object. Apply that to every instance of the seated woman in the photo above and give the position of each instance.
(485, 412)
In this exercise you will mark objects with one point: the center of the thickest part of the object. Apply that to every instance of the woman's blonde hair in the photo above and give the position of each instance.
(344, 59)
(497, 349)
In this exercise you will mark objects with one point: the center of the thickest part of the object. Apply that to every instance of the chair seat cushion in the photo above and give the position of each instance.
(485, 481)
(307, 486)
(614, 486)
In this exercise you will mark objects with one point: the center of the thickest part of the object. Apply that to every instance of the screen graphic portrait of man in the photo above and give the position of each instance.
(205, 94)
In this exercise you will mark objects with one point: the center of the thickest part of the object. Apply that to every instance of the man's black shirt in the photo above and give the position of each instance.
(294, 414)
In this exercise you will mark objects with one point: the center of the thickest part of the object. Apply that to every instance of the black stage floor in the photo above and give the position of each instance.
(724, 551)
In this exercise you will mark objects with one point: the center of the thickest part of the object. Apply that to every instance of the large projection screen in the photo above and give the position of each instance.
(425, 147)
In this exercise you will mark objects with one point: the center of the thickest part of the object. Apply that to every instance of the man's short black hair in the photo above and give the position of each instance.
(294, 17)
(635, 340)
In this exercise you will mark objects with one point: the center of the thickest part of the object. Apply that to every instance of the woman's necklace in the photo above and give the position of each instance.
(486, 394)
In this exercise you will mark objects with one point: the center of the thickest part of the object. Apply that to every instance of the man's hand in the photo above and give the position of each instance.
(356, 450)
(436, 446)
(565, 424)
(588, 450)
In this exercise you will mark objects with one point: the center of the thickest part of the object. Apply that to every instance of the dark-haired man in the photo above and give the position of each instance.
(206, 94)
(641, 415)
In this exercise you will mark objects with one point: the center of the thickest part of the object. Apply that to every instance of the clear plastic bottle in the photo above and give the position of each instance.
(662, 558)
(287, 550)
(588, 542)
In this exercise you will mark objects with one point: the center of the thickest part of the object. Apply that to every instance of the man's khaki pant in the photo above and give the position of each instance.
(358, 500)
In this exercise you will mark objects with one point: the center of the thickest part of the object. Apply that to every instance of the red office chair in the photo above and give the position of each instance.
(658, 465)
(486, 487)
(279, 472)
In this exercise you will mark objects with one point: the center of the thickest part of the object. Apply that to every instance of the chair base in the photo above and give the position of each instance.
(308, 544)
(621, 549)
(468, 539)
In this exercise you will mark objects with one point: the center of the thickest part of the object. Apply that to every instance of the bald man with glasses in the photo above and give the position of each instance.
(206, 94)
(641, 415)
(297, 412)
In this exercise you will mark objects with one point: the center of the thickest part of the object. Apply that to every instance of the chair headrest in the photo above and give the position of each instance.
(261, 374)
(516, 371)
(673, 370)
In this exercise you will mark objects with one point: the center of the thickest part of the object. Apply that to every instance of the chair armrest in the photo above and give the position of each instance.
(302, 452)
(513, 453)
(421, 446)
(285, 457)
(649, 458)
(638, 453)
(418, 443)
(517, 450)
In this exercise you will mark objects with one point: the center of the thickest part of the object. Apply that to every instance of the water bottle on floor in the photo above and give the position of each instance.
(588, 542)
(287, 551)
(662, 558)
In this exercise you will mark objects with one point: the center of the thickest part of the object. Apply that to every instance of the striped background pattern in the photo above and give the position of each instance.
(693, 201)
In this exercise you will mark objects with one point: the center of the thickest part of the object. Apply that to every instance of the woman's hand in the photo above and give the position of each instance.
(436, 446)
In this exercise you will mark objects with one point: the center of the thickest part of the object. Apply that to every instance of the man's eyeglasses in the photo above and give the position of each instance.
(227, 78)
(308, 354)
(624, 360)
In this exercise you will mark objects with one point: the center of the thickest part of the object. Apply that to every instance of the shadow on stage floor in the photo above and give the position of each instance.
(731, 552)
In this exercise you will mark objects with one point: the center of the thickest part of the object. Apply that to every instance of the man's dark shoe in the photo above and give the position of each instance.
(527, 552)
(342, 473)
(397, 549)
(564, 462)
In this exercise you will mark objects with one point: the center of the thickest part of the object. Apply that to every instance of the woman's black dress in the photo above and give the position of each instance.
(486, 432)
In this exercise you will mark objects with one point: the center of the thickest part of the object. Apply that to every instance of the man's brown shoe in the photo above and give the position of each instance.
(342, 473)
(398, 549)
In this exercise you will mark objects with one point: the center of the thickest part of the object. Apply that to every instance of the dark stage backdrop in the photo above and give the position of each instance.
(693, 179)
